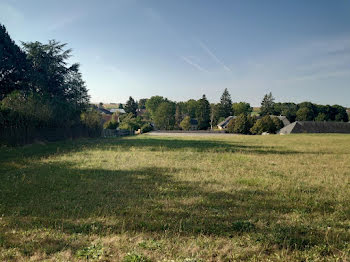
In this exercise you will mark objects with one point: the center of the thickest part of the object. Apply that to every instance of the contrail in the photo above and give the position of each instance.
(190, 62)
(216, 59)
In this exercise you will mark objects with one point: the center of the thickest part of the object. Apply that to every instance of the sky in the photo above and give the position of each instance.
(181, 49)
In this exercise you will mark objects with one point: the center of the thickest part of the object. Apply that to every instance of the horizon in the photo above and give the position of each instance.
(299, 51)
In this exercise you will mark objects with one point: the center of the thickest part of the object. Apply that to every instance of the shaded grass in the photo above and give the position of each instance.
(214, 199)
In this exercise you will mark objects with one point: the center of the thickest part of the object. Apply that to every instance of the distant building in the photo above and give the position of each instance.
(316, 127)
(194, 124)
(224, 124)
(104, 111)
(119, 110)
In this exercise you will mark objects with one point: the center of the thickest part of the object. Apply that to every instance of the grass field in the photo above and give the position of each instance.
(203, 198)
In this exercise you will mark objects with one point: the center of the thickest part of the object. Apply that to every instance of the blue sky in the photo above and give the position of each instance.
(299, 50)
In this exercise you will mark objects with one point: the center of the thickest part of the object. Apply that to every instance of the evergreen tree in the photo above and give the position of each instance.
(267, 105)
(131, 106)
(14, 66)
(225, 104)
(203, 113)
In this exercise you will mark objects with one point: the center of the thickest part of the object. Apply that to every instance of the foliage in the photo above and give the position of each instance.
(278, 123)
(147, 127)
(321, 117)
(91, 119)
(214, 115)
(286, 109)
(186, 123)
(225, 108)
(190, 108)
(265, 124)
(164, 116)
(91, 252)
(110, 124)
(134, 257)
(142, 103)
(153, 103)
(241, 108)
(14, 66)
(241, 124)
(305, 114)
(203, 113)
(178, 115)
(131, 106)
(267, 105)
(130, 122)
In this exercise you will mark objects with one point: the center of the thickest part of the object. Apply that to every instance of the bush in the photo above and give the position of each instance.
(265, 124)
(278, 123)
(186, 123)
(110, 125)
(146, 128)
(241, 125)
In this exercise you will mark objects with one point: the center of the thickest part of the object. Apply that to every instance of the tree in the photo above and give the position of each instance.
(142, 103)
(130, 106)
(278, 123)
(341, 114)
(190, 108)
(305, 114)
(321, 117)
(241, 108)
(225, 104)
(267, 105)
(203, 113)
(153, 103)
(14, 66)
(262, 125)
(164, 116)
(186, 123)
(178, 116)
(214, 115)
(241, 124)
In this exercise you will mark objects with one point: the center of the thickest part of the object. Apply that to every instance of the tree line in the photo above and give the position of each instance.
(169, 115)
(39, 88)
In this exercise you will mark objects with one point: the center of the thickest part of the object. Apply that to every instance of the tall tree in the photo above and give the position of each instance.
(164, 116)
(153, 103)
(14, 66)
(225, 104)
(142, 103)
(267, 105)
(131, 106)
(178, 116)
(214, 115)
(203, 113)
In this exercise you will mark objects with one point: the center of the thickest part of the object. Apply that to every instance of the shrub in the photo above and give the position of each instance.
(278, 123)
(241, 125)
(134, 257)
(262, 125)
(147, 127)
(186, 123)
(110, 125)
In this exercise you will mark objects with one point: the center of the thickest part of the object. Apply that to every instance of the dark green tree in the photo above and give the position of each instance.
(265, 124)
(164, 117)
(130, 106)
(203, 113)
(13, 65)
(305, 114)
(214, 115)
(178, 115)
(241, 124)
(190, 108)
(267, 105)
(225, 104)
(142, 103)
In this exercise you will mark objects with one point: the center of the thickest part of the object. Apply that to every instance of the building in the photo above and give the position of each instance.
(224, 124)
(194, 124)
(316, 127)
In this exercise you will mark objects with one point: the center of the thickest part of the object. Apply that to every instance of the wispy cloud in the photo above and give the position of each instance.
(193, 64)
(213, 56)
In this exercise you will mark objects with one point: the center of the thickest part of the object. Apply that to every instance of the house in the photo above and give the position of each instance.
(316, 127)
(117, 110)
(104, 111)
(194, 124)
(224, 124)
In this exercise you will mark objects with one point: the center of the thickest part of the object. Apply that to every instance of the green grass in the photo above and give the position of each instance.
(148, 198)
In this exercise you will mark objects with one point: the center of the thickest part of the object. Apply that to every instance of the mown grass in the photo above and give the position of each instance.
(147, 198)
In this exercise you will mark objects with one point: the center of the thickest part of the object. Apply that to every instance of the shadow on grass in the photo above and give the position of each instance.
(62, 198)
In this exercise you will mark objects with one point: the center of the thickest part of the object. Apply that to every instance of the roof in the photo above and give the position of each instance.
(119, 110)
(284, 119)
(224, 123)
(104, 111)
(316, 127)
